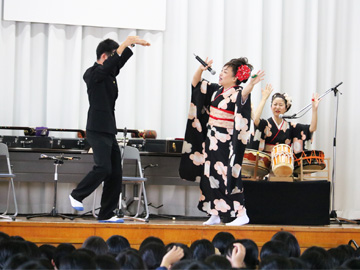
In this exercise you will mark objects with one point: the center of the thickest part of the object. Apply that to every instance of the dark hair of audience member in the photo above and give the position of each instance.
(251, 259)
(96, 244)
(10, 248)
(35, 264)
(103, 262)
(190, 265)
(339, 255)
(15, 261)
(62, 250)
(317, 258)
(47, 251)
(221, 240)
(273, 247)
(16, 238)
(290, 241)
(78, 259)
(353, 263)
(218, 262)
(275, 261)
(4, 237)
(152, 254)
(201, 249)
(117, 243)
(34, 250)
(297, 263)
(185, 248)
(130, 259)
(151, 239)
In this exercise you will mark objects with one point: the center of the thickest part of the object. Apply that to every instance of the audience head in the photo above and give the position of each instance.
(47, 251)
(130, 259)
(252, 253)
(11, 248)
(297, 263)
(275, 261)
(352, 263)
(35, 264)
(151, 239)
(4, 237)
(191, 265)
(290, 242)
(62, 250)
(186, 249)
(15, 261)
(221, 240)
(103, 262)
(273, 247)
(218, 262)
(96, 244)
(78, 259)
(317, 258)
(201, 249)
(16, 238)
(340, 254)
(152, 254)
(117, 243)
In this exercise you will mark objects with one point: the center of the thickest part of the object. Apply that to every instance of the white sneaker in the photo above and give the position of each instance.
(239, 221)
(76, 204)
(213, 220)
(114, 219)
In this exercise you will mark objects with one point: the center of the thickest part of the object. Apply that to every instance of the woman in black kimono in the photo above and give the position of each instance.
(276, 130)
(216, 135)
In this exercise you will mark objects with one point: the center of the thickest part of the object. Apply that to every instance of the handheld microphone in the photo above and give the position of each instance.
(204, 64)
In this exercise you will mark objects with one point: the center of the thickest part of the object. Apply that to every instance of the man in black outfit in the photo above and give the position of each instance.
(101, 127)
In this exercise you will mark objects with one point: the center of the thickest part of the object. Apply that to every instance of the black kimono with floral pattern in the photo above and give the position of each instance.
(216, 135)
(268, 134)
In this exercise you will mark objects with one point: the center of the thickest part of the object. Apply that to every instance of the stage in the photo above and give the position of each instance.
(183, 229)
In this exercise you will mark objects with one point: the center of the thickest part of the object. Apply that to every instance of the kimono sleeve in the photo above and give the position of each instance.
(257, 139)
(192, 158)
(301, 136)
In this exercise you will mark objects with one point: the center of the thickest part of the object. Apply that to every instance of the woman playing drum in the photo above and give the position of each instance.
(276, 130)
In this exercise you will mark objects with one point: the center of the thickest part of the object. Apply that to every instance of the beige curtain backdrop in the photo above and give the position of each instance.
(304, 46)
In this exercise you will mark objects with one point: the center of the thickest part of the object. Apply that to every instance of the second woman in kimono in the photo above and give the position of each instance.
(275, 130)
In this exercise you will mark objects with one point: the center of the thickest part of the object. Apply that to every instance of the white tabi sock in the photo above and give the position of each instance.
(212, 220)
(239, 221)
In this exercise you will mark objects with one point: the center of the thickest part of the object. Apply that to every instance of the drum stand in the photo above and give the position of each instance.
(58, 160)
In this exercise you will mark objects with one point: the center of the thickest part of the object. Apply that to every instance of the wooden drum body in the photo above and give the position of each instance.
(282, 160)
(249, 164)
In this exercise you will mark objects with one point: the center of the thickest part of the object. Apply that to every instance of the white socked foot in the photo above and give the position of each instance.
(239, 221)
(213, 220)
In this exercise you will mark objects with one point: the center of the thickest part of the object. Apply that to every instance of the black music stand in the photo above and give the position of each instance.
(58, 160)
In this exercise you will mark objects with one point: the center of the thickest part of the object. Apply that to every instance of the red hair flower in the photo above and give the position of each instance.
(243, 73)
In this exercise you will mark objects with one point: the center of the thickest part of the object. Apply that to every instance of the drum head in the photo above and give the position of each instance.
(283, 170)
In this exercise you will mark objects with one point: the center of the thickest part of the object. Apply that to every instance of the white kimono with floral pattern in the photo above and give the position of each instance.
(215, 139)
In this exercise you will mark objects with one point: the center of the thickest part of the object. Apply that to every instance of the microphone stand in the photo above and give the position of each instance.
(333, 214)
(333, 176)
(308, 107)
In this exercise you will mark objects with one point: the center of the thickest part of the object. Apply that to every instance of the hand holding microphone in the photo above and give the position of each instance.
(206, 65)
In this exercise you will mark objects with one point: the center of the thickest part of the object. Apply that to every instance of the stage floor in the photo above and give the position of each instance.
(55, 230)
